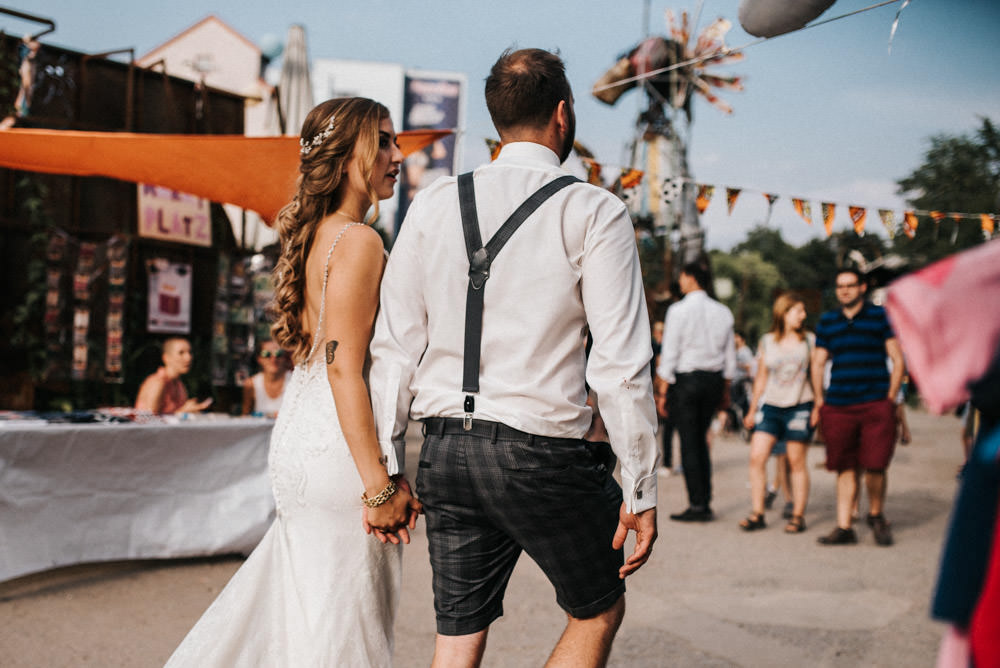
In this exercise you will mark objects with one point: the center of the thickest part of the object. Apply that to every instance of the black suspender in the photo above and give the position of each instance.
(480, 258)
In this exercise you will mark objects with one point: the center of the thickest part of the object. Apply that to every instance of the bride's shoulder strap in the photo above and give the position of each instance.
(326, 277)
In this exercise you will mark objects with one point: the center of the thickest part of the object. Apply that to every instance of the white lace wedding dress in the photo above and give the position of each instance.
(317, 590)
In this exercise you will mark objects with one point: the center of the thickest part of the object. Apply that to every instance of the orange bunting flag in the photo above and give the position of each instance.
(937, 216)
(732, 194)
(829, 210)
(986, 220)
(494, 147)
(858, 215)
(593, 171)
(803, 208)
(704, 197)
(909, 223)
(630, 178)
(771, 199)
(889, 220)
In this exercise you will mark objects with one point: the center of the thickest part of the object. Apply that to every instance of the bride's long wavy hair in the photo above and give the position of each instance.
(322, 176)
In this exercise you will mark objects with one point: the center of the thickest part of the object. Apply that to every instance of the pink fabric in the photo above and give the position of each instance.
(947, 319)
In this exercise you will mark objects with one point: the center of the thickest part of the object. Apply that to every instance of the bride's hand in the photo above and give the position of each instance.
(390, 520)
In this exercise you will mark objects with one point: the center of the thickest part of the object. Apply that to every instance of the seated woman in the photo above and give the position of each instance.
(163, 392)
(263, 391)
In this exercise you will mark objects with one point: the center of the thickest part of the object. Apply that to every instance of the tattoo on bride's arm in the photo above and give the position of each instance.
(331, 348)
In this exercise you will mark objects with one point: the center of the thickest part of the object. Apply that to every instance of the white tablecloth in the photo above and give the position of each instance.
(95, 492)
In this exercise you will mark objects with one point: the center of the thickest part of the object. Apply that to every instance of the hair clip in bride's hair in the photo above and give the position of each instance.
(308, 146)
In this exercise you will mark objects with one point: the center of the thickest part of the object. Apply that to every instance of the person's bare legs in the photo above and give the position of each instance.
(875, 483)
(586, 643)
(847, 487)
(799, 475)
(464, 651)
(761, 444)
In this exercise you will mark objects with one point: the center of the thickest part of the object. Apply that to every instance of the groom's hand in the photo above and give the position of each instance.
(644, 526)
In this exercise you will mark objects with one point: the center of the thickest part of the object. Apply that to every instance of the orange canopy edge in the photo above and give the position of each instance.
(256, 173)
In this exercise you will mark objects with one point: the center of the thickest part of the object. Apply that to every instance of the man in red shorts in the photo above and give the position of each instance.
(857, 411)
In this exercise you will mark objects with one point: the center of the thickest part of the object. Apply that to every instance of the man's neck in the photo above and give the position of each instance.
(851, 311)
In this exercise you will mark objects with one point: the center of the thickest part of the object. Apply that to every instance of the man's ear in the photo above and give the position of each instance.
(562, 117)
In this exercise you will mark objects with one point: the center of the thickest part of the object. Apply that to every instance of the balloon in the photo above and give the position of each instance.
(768, 18)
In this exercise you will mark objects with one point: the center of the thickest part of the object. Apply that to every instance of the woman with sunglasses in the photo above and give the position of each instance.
(262, 392)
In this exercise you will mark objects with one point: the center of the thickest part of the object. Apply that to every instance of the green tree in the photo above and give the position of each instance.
(959, 174)
(749, 284)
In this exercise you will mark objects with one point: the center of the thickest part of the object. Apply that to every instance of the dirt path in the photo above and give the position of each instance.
(710, 596)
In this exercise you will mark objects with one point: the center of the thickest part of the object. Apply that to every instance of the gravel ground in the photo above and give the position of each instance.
(711, 595)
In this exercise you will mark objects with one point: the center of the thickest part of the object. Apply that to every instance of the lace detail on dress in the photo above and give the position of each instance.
(289, 476)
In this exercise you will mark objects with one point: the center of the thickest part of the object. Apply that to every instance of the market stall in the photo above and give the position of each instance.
(75, 493)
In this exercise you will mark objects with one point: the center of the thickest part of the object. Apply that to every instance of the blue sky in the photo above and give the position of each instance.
(828, 114)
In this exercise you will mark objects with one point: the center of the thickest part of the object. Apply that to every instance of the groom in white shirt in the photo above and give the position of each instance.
(504, 467)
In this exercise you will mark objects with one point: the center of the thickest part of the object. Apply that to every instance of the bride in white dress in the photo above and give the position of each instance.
(320, 589)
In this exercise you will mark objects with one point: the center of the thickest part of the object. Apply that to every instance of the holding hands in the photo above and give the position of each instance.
(391, 519)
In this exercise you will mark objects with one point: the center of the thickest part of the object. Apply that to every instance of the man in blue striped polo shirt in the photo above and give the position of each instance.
(857, 412)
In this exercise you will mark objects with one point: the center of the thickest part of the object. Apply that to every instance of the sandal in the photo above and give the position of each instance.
(753, 522)
(796, 524)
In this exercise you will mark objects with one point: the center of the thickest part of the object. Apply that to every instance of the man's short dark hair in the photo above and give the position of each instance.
(698, 271)
(524, 88)
(851, 269)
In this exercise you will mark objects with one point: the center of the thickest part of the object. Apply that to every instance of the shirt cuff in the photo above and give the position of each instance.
(640, 495)
(395, 456)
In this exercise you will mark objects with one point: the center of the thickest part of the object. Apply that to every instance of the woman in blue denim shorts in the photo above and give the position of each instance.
(781, 408)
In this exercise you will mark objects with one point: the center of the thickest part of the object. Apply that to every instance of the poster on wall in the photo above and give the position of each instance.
(170, 215)
(431, 101)
(169, 297)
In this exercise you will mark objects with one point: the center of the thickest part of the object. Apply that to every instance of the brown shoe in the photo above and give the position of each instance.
(880, 527)
(839, 537)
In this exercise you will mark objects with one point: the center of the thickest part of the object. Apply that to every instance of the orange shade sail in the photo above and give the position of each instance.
(256, 173)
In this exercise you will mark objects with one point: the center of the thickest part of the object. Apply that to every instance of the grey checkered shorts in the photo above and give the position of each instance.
(493, 491)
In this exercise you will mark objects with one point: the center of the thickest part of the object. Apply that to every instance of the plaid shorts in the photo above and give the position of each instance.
(493, 491)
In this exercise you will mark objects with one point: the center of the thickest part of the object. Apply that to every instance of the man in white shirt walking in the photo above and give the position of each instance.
(697, 364)
(487, 348)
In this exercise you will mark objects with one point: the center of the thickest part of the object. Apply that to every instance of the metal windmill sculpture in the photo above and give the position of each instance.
(670, 70)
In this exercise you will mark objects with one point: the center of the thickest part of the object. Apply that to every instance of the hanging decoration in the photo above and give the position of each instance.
(858, 215)
(803, 208)
(888, 221)
(117, 255)
(671, 188)
(732, 194)
(829, 211)
(704, 197)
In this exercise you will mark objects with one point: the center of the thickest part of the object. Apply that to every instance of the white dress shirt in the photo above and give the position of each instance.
(573, 263)
(697, 336)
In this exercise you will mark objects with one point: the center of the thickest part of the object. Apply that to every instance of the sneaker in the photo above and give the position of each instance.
(769, 498)
(788, 511)
(880, 527)
(839, 537)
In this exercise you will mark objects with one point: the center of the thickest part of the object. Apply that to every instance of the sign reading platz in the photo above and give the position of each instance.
(174, 216)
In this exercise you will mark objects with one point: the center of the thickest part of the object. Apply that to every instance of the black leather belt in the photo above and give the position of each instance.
(484, 429)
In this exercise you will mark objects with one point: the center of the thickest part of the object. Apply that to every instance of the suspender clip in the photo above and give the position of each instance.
(479, 268)
(470, 408)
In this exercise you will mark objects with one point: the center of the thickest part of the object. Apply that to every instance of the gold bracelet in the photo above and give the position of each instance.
(381, 497)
